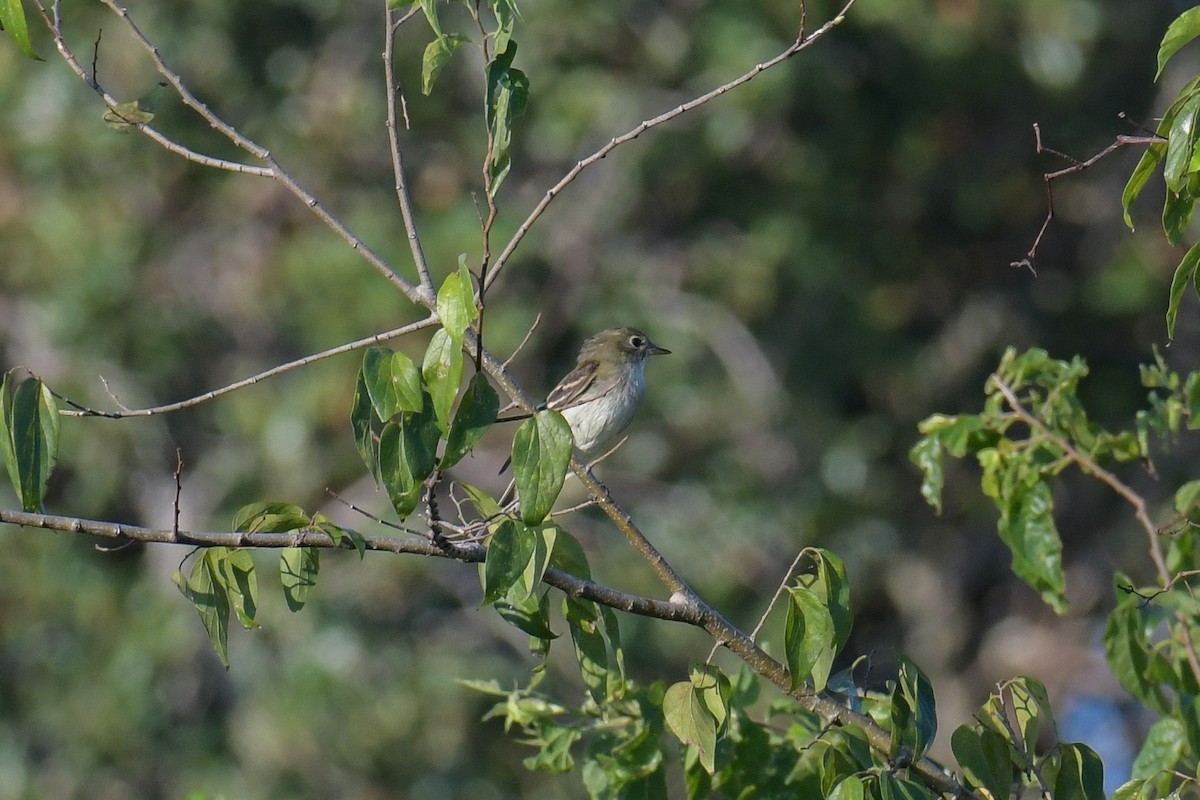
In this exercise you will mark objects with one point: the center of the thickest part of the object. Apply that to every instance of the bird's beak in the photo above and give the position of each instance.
(655, 350)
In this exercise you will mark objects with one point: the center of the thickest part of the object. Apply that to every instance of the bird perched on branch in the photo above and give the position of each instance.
(599, 396)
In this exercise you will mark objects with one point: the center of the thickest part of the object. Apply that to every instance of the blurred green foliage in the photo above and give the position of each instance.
(825, 250)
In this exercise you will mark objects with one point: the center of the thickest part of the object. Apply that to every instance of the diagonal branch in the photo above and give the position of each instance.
(78, 410)
(803, 42)
(1090, 466)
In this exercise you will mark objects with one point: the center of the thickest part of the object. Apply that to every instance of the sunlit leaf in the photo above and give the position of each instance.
(1185, 273)
(691, 721)
(1138, 178)
(1185, 28)
(1162, 750)
(456, 302)
(269, 517)
(437, 53)
(541, 454)
(808, 638)
(12, 22)
(392, 381)
(443, 372)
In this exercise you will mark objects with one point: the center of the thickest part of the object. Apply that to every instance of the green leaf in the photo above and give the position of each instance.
(203, 588)
(894, 788)
(1080, 774)
(509, 551)
(544, 537)
(507, 95)
(407, 456)
(1185, 28)
(392, 381)
(484, 503)
(1031, 708)
(541, 454)
(476, 413)
(714, 690)
(808, 638)
(1181, 142)
(1185, 273)
(456, 302)
(1187, 497)
(849, 788)
(1138, 178)
(927, 455)
(270, 518)
(1163, 749)
(1128, 650)
(568, 555)
(298, 567)
(984, 757)
(531, 615)
(443, 373)
(914, 712)
(241, 584)
(833, 588)
(29, 434)
(1177, 214)
(1027, 526)
(360, 423)
(590, 649)
(692, 722)
(12, 22)
(437, 53)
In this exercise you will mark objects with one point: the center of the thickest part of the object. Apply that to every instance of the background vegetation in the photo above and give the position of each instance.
(826, 252)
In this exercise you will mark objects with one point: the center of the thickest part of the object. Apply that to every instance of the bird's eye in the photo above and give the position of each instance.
(637, 342)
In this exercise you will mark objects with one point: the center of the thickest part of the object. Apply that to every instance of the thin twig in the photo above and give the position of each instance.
(802, 42)
(178, 488)
(79, 410)
(1076, 166)
(403, 195)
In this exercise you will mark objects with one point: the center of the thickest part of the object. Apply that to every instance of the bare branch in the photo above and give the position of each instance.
(78, 410)
(802, 42)
(1076, 166)
(402, 193)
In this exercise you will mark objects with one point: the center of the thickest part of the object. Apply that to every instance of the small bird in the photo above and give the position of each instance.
(599, 396)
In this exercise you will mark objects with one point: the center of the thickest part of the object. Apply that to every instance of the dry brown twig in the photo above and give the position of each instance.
(1028, 262)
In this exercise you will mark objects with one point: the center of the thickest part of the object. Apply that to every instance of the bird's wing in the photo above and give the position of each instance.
(571, 388)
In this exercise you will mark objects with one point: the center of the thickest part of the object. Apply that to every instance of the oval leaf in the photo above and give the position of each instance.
(509, 551)
(540, 456)
(476, 413)
(392, 382)
(456, 302)
(443, 371)
(29, 430)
